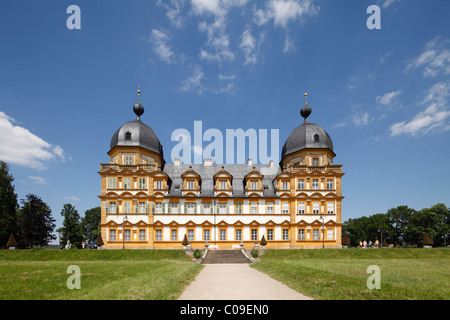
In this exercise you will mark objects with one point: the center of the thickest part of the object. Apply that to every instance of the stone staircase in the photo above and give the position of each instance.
(225, 256)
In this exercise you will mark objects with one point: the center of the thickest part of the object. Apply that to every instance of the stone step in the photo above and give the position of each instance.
(225, 256)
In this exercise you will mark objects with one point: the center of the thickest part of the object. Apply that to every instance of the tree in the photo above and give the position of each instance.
(36, 223)
(11, 242)
(427, 241)
(90, 224)
(71, 230)
(399, 219)
(8, 204)
(345, 240)
(263, 241)
(185, 241)
(99, 241)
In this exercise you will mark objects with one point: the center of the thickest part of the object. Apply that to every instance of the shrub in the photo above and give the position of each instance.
(185, 241)
(11, 242)
(263, 241)
(254, 253)
(99, 241)
(345, 240)
(198, 253)
(427, 241)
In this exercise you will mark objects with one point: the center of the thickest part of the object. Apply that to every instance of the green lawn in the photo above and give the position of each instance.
(419, 274)
(105, 274)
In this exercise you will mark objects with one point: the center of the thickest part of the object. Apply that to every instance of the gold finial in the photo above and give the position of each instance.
(306, 95)
(139, 93)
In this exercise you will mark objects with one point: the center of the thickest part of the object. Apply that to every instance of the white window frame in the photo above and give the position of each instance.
(330, 234)
(301, 207)
(301, 184)
(127, 234)
(301, 234)
(207, 235)
(112, 235)
(127, 183)
(112, 183)
(285, 234)
(269, 234)
(190, 234)
(141, 234)
(253, 208)
(316, 207)
(315, 184)
(330, 207)
(174, 235)
(254, 236)
(316, 234)
(158, 235)
(330, 184)
(269, 207)
(238, 235)
(222, 235)
(285, 207)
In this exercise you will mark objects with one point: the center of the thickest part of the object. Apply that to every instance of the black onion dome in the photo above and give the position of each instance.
(307, 136)
(137, 134)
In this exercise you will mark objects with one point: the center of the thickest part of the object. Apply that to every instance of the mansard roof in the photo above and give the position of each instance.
(207, 173)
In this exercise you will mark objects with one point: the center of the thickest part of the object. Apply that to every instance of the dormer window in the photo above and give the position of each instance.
(128, 136)
(316, 138)
(254, 185)
(190, 185)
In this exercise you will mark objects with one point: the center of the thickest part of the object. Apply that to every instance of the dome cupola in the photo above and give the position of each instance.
(307, 136)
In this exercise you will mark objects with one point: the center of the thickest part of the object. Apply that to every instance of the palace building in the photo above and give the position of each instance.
(148, 203)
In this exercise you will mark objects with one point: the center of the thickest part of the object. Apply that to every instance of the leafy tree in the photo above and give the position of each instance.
(8, 204)
(36, 223)
(90, 224)
(399, 219)
(71, 230)
(430, 221)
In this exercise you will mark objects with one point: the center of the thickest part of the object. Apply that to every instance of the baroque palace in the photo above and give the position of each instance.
(146, 203)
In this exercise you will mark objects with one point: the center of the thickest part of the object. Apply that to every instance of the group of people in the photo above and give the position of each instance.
(364, 244)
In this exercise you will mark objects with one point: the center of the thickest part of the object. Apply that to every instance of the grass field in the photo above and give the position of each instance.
(105, 274)
(419, 274)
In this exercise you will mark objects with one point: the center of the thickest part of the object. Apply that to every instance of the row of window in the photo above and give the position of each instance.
(142, 184)
(221, 208)
(303, 234)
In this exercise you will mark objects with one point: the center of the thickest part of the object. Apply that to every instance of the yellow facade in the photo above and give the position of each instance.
(146, 203)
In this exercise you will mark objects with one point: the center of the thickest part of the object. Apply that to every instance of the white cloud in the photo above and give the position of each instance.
(194, 82)
(388, 3)
(248, 46)
(21, 147)
(218, 43)
(388, 98)
(72, 198)
(160, 40)
(361, 118)
(173, 8)
(434, 60)
(37, 180)
(288, 44)
(435, 116)
(284, 11)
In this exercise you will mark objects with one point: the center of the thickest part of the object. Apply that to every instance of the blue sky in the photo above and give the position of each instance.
(382, 95)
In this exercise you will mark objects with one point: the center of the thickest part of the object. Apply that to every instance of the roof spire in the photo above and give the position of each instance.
(306, 110)
(139, 93)
(138, 108)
